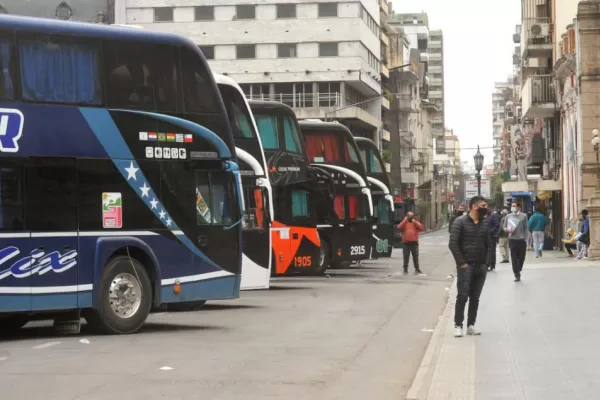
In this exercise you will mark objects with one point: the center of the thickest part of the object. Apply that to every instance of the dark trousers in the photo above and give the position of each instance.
(409, 248)
(491, 262)
(469, 283)
(518, 250)
(570, 247)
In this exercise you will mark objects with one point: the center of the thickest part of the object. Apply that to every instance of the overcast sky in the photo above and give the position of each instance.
(478, 50)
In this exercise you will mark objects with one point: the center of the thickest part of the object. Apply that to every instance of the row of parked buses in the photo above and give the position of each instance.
(133, 180)
(323, 193)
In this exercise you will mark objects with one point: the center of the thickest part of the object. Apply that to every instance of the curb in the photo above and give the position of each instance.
(423, 379)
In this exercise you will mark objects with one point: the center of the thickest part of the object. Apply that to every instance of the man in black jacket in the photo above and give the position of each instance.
(471, 245)
(459, 212)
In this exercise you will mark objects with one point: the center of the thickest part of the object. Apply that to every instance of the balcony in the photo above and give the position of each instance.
(538, 97)
(536, 40)
(385, 103)
(385, 135)
(384, 38)
(384, 70)
(383, 6)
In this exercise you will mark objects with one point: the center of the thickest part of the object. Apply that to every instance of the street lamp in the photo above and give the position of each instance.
(478, 157)
(596, 144)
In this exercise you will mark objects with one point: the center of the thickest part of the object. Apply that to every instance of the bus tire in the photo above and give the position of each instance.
(124, 298)
(13, 323)
(186, 306)
(323, 259)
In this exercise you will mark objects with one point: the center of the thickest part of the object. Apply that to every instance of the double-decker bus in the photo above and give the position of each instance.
(256, 235)
(383, 202)
(295, 240)
(331, 147)
(119, 185)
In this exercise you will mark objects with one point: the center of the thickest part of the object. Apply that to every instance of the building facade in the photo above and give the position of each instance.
(99, 11)
(321, 58)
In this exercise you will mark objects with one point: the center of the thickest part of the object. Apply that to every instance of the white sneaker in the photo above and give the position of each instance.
(471, 330)
(458, 331)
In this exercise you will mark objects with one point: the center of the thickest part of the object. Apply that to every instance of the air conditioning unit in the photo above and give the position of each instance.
(539, 30)
(516, 38)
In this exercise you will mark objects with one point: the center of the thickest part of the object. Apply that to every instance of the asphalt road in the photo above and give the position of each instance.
(359, 333)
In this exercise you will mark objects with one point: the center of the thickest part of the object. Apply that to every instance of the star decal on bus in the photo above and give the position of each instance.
(131, 172)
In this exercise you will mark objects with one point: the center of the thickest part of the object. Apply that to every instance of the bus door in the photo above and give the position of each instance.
(217, 217)
(255, 233)
(303, 237)
(15, 242)
(51, 214)
(351, 240)
(383, 236)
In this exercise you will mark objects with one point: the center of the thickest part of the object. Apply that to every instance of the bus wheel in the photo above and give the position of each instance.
(12, 324)
(186, 306)
(124, 298)
(323, 259)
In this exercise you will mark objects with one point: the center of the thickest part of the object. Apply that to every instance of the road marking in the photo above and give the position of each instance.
(46, 345)
(166, 368)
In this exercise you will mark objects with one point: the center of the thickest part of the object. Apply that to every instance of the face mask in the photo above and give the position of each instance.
(514, 210)
(482, 212)
(459, 212)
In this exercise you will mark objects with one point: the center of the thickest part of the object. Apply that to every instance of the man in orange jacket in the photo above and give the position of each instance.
(410, 229)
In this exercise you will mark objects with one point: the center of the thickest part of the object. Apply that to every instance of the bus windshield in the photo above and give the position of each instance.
(326, 147)
(239, 115)
(270, 125)
(371, 162)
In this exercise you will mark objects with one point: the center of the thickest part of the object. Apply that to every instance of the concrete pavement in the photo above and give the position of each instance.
(539, 341)
(358, 334)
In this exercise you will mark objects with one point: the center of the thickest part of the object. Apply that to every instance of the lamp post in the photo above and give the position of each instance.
(478, 157)
(596, 144)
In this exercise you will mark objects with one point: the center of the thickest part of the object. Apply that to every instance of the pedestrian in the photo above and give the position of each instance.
(410, 229)
(529, 236)
(503, 238)
(569, 242)
(516, 225)
(471, 245)
(460, 210)
(537, 226)
(584, 236)
(493, 222)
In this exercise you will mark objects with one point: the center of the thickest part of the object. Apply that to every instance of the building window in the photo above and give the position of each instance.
(246, 11)
(286, 50)
(204, 13)
(163, 14)
(208, 51)
(328, 10)
(245, 51)
(286, 11)
(328, 49)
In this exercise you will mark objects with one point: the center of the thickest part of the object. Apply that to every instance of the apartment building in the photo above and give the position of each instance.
(430, 43)
(321, 58)
(99, 11)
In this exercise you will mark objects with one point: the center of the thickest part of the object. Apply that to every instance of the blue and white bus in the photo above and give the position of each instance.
(119, 185)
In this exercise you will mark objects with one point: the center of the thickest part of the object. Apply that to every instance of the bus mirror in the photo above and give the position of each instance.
(267, 206)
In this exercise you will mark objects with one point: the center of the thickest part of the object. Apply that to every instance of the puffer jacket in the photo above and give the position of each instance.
(470, 243)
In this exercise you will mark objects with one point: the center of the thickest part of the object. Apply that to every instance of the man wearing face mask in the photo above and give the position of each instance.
(459, 211)
(516, 225)
(503, 238)
(471, 245)
(410, 229)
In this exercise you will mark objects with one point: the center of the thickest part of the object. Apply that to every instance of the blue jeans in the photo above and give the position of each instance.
(538, 242)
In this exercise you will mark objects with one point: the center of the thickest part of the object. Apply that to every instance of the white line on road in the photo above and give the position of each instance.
(46, 345)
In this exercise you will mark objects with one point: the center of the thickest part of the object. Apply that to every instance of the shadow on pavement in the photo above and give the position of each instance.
(282, 288)
(210, 306)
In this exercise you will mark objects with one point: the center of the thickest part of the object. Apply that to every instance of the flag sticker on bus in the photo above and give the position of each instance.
(112, 211)
(11, 129)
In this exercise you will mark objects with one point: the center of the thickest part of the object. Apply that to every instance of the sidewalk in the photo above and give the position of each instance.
(539, 337)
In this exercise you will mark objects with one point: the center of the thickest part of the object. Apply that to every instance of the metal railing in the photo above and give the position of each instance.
(540, 89)
(304, 99)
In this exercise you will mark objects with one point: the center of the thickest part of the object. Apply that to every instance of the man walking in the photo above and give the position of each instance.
(493, 222)
(537, 225)
(503, 238)
(516, 225)
(471, 245)
(410, 229)
(459, 211)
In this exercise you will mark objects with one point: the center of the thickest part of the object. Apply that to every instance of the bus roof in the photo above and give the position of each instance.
(225, 80)
(366, 141)
(99, 31)
(265, 104)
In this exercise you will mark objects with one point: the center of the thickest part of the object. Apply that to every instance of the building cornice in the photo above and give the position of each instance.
(564, 67)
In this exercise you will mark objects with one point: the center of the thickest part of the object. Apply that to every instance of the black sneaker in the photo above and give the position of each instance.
(405, 271)
(504, 262)
(418, 271)
(517, 279)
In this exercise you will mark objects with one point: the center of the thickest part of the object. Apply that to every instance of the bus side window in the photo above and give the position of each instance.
(7, 63)
(339, 206)
(60, 70)
(198, 93)
(12, 207)
(143, 77)
(292, 142)
(300, 203)
(383, 213)
(52, 194)
(215, 204)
